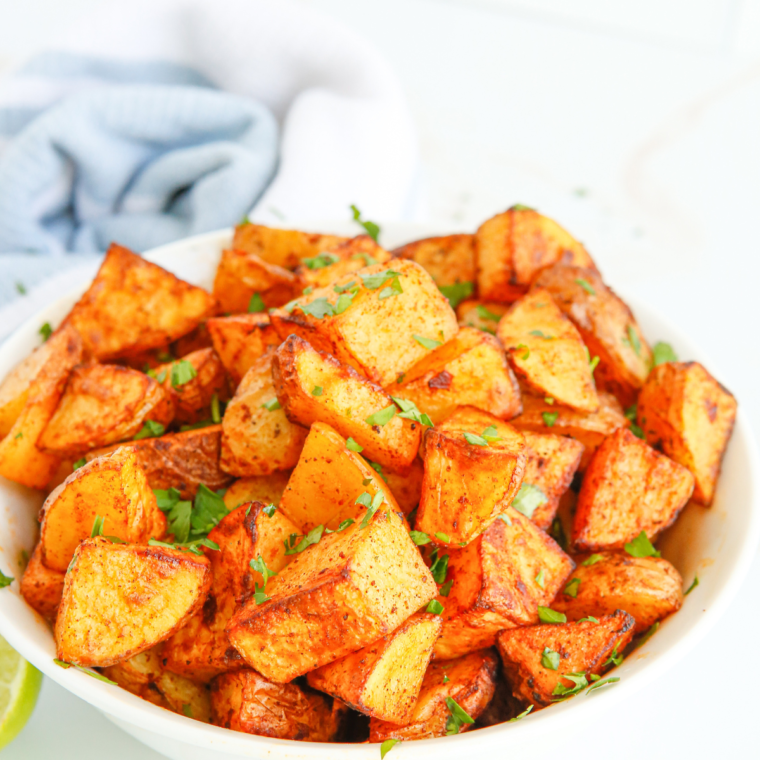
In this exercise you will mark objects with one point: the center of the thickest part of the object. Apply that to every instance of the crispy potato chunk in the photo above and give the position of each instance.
(469, 370)
(649, 588)
(628, 487)
(246, 701)
(583, 648)
(539, 416)
(313, 386)
(466, 485)
(266, 488)
(200, 649)
(470, 683)
(257, 436)
(372, 325)
(240, 276)
(498, 581)
(484, 315)
(180, 460)
(42, 587)
(120, 600)
(20, 459)
(347, 591)
(103, 404)
(607, 326)
(689, 416)
(343, 259)
(114, 488)
(323, 487)
(547, 352)
(133, 305)
(407, 489)
(512, 248)
(448, 260)
(240, 340)
(285, 248)
(195, 340)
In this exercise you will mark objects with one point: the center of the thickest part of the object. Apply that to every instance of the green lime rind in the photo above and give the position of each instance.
(19, 688)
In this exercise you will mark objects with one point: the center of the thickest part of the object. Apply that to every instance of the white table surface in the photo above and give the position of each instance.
(636, 125)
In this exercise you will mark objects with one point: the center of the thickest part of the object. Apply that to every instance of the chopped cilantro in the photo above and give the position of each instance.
(188, 522)
(520, 346)
(439, 569)
(549, 400)
(317, 390)
(691, 588)
(549, 418)
(521, 715)
(445, 590)
(641, 546)
(382, 417)
(216, 415)
(550, 659)
(475, 440)
(352, 445)
(486, 315)
(191, 546)
(150, 429)
(419, 537)
(318, 308)
(97, 527)
(541, 334)
(320, 261)
(589, 619)
(648, 635)
(586, 285)
(366, 258)
(343, 525)
(529, 498)
(663, 352)
(18, 435)
(557, 532)
(540, 577)
(614, 658)
(344, 301)
(312, 537)
(269, 510)
(5, 580)
(372, 504)
(592, 560)
(444, 537)
(409, 411)
(80, 463)
(393, 289)
(347, 286)
(434, 608)
(457, 292)
(272, 405)
(548, 615)
(579, 684)
(46, 331)
(571, 589)
(428, 343)
(377, 280)
(260, 566)
(256, 304)
(599, 684)
(182, 372)
(187, 711)
(387, 746)
(593, 364)
(504, 518)
(369, 227)
(633, 340)
(457, 718)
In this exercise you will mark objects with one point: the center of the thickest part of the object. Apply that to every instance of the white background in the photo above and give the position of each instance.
(636, 124)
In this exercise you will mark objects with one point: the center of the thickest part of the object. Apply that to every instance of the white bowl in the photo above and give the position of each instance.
(718, 543)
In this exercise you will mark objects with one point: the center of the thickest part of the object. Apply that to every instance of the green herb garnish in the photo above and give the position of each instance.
(641, 546)
(150, 429)
(550, 659)
(529, 498)
(548, 615)
(458, 292)
(428, 343)
(256, 305)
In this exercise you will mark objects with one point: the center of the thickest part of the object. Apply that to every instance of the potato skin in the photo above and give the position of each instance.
(41, 587)
(689, 416)
(649, 588)
(628, 487)
(448, 259)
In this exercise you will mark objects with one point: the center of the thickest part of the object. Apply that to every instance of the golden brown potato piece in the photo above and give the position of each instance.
(539, 416)
(42, 587)
(246, 701)
(383, 680)
(388, 317)
(512, 248)
(469, 370)
(180, 460)
(406, 489)
(448, 260)
(121, 599)
(114, 488)
(245, 282)
(607, 326)
(285, 248)
(350, 589)
(192, 382)
(326, 481)
(265, 488)
(195, 340)
(313, 386)
(257, 436)
(200, 649)
(688, 415)
(103, 404)
(484, 315)
(498, 581)
(133, 305)
(469, 681)
(547, 353)
(538, 658)
(240, 340)
(469, 479)
(628, 488)
(20, 459)
(334, 263)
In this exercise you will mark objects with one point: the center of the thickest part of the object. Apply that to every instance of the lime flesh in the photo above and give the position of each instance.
(19, 687)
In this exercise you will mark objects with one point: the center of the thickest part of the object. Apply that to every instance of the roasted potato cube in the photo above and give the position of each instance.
(607, 326)
(180, 460)
(103, 404)
(112, 487)
(200, 649)
(689, 416)
(547, 353)
(244, 281)
(240, 340)
(649, 588)
(133, 305)
(539, 416)
(383, 680)
(484, 315)
(246, 701)
(20, 459)
(350, 589)
(379, 320)
(550, 464)
(313, 386)
(345, 258)
(42, 587)
(266, 488)
(469, 370)
(406, 489)
(469, 681)
(198, 338)
(448, 260)
(323, 487)
(512, 248)
(121, 599)
(628, 488)
(498, 581)
(285, 248)
(583, 648)
(257, 436)
(469, 479)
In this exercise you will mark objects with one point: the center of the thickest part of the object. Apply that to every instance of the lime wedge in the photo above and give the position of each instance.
(19, 686)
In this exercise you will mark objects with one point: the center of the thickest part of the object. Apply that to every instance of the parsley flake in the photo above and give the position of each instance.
(457, 718)
(586, 285)
(486, 314)
(428, 343)
(409, 411)
(382, 417)
(521, 715)
(529, 498)
(434, 608)
(150, 429)
(344, 301)
(599, 684)
(216, 415)
(387, 746)
(97, 526)
(269, 510)
(540, 577)
(633, 340)
(457, 292)
(182, 372)
(520, 346)
(439, 568)
(46, 331)
(5, 580)
(320, 261)
(571, 589)
(80, 463)
(541, 334)
(475, 440)
(691, 588)
(589, 619)
(312, 537)
(550, 659)
(548, 615)
(549, 418)
(318, 308)
(641, 546)
(317, 390)
(419, 537)
(648, 635)
(352, 445)
(86, 671)
(369, 227)
(663, 352)
(256, 305)
(445, 590)
(444, 537)
(592, 560)
(614, 658)
(579, 684)
(272, 405)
